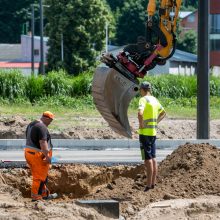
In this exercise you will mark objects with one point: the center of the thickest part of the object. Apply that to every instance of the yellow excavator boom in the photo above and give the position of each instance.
(116, 83)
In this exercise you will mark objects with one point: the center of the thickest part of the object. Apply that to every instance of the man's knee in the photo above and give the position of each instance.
(148, 162)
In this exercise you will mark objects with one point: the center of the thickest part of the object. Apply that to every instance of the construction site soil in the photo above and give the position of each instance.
(188, 187)
(96, 128)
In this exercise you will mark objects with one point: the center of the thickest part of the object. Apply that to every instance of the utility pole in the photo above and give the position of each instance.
(32, 39)
(203, 89)
(42, 69)
(106, 37)
(62, 54)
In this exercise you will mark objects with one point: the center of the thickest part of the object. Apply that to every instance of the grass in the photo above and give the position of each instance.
(178, 108)
(65, 117)
(185, 108)
(70, 97)
(87, 115)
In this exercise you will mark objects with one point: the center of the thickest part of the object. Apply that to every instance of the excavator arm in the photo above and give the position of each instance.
(116, 83)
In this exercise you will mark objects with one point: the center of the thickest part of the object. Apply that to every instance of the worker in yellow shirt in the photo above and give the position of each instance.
(150, 113)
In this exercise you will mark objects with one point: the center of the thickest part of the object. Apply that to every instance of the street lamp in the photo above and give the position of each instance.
(62, 54)
(106, 37)
(32, 39)
(42, 69)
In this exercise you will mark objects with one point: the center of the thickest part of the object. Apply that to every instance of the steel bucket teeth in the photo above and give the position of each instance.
(112, 93)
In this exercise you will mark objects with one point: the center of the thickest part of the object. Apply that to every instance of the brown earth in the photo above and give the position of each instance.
(96, 128)
(191, 171)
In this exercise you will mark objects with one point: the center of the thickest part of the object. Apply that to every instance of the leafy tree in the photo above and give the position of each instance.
(82, 24)
(131, 22)
(114, 4)
(13, 17)
(188, 42)
(192, 3)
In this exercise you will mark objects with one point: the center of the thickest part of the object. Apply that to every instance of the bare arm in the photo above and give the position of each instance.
(140, 119)
(44, 148)
(161, 116)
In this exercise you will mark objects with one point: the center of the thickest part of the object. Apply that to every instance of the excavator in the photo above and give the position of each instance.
(116, 82)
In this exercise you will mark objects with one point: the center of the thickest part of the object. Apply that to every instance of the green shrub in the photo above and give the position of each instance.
(35, 88)
(77, 103)
(12, 84)
(173, 86)
(215, 86)
(56, 83)
(81, 84)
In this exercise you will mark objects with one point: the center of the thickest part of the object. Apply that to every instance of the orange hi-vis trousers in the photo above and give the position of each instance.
(39, 170)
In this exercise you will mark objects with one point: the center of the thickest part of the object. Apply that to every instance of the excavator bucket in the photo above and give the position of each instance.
(112, 93)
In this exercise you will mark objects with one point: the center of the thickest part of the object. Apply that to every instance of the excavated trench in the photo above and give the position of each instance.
(75, 181)
(191, 171)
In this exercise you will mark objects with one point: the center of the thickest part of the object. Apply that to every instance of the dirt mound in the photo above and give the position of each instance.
(190, 171)
(12, 127)
(13, 206)
(203, 207)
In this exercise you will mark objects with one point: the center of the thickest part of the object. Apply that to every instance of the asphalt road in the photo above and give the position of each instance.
(109, 156)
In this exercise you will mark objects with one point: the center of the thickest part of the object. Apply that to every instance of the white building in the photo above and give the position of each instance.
(26, 48)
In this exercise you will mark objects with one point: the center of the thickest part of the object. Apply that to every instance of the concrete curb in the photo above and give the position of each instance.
(92, 144)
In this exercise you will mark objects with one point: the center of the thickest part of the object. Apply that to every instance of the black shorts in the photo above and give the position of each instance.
(147, 146)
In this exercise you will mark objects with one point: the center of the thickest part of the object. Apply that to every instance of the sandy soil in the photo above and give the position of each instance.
(188, 187)
(97, 128)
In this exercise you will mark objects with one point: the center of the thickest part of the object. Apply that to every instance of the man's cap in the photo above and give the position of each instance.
(145, 85)
(48, 114)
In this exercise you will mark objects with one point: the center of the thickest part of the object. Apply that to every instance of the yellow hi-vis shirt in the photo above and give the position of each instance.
(151, 109)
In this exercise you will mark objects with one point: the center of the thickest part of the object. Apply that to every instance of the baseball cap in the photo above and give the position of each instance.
(145, 85)
(48, 114)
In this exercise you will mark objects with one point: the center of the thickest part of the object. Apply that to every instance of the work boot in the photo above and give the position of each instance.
(35, 200)
(51, 196)
(153, 186)
(147, 188)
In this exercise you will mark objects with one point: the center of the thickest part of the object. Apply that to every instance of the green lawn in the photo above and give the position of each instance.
(180, 108)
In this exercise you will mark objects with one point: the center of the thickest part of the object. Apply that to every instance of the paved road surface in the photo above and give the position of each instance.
(128, 155)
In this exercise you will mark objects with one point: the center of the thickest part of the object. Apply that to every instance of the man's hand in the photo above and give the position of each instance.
(47, 160)
(161, 116)
(44, 148)
(141, 125)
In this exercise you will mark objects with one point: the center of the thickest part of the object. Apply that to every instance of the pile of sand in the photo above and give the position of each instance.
(191, 171)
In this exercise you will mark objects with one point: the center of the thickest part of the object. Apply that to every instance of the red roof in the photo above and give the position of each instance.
(17, 65)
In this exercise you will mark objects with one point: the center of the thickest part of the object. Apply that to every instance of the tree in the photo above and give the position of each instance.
(188, 42)
(131, 22)
(82, 24)
(114, 4)
(193, 3)
(13, 17)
